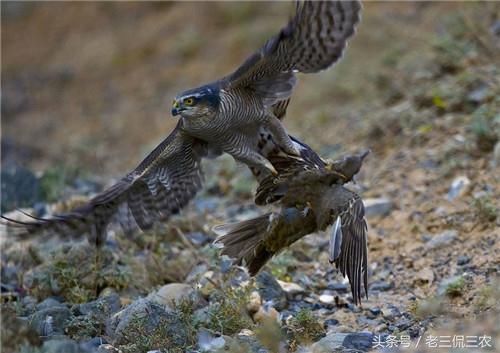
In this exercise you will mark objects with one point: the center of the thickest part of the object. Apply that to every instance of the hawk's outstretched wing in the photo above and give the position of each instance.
(312, 41)
(163, 183)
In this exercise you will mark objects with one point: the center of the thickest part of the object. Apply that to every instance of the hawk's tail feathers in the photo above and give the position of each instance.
(243, 241)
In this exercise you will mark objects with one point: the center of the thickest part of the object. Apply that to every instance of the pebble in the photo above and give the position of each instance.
(107, 348)
(424, 276)
(463, 260)
(266, 313)
(390, 312)
(271, 291)
(479, 94)
(330, 322)
(173, 293)
(378, 206)
(49, 303)
(61, 345)
(198, 238)
(361, 341)
(254, 302)
(327, 299)
(442, 239)
(381, 286)
(458, 187)
(339, 287)
(291, 288)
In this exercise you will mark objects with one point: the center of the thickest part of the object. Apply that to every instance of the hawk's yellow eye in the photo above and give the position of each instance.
(188, 101)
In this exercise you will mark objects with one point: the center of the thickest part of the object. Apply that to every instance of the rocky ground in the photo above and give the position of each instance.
(420, 86)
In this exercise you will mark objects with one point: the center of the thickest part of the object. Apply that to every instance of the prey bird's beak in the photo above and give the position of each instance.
(176, 108)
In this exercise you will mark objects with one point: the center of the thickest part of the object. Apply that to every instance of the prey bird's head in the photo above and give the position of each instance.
(196, 102)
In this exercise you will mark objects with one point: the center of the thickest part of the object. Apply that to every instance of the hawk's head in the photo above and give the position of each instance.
(197, 102)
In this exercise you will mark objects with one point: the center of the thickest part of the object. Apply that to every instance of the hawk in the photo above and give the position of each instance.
(312, 198)
(239, 114)
(230, 113)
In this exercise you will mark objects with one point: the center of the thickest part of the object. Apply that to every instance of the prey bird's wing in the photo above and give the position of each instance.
(348, 241)
(272, 188)
(313, 40)
(163, 183)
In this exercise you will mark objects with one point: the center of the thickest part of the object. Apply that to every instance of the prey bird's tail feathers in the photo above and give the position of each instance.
(244, 241)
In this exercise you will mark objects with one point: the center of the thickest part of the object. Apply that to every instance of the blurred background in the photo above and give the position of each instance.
(87, 91)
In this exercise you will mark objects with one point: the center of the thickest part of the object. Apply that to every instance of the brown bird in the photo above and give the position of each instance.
(312, 198)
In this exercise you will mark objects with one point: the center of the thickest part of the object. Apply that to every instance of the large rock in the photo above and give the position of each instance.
(271, 291)
(101, 308)
(50, 321)
(145, 318)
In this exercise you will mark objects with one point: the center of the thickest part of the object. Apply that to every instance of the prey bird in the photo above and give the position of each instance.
(312, 198)
(239, 114)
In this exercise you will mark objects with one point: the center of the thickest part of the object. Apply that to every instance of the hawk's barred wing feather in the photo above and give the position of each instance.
(312, 41)
(164, 182)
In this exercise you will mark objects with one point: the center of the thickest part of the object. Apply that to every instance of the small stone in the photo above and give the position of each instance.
(327, 299)
(359, 341)
(479, 94)
(338, 287)
(198, 238)
(330, 322)
(378, 206)
(463, 260)
(442, 239)
(375, 311)
(173, 293)
(63, 345)
(403, 323)
(264, 314)
(254, 303)
(329, 343)
(390, 312)
(459, 187)
(107, 348)
(91, 345)
(291, 288)
(381, 286)
(49, 303)
(424, 276)
(271, 291)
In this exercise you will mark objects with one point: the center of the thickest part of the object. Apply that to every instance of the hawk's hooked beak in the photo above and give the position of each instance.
(177, 107)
